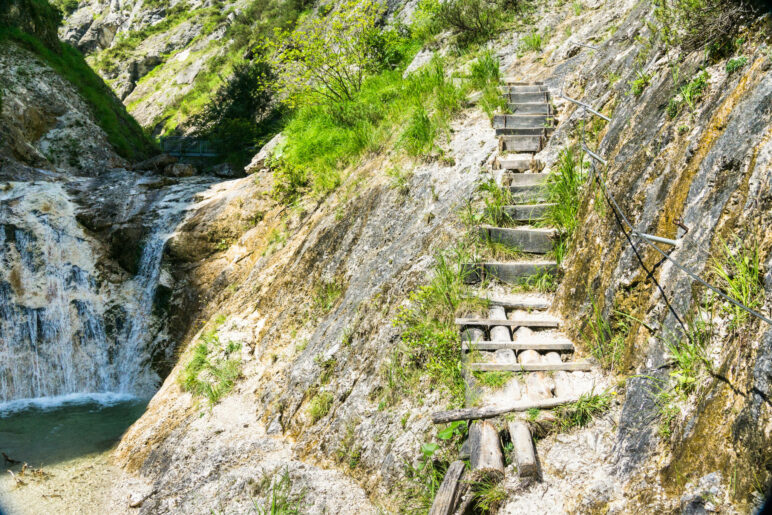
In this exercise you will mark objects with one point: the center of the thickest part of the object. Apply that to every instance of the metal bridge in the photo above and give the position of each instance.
(180, 146)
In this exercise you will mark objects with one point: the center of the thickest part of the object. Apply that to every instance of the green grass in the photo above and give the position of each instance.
(320, 405)
(584, 410)
(564, 186)
(739, 273)
(326, 295)
(489, 494)
(640, 83)
(389, 112)
(543, 281)
(606, 338)
(280, 499)
(496, 199)
(688, 95)
(531, 42)
(123, 132)
(430, 346)
(211, 372)
(494, 379)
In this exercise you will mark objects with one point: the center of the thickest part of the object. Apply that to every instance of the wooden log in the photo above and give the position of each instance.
(443, 417)
(525, 321)
(485, 449)
(448, 494)
(525, 455)
(536, 384)
(499, 333)
(572, 366)
(561, 345)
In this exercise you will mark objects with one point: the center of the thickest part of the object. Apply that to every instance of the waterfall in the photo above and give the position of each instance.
(64, 328)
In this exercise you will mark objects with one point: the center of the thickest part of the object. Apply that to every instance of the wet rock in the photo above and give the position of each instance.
(179, 170)
(156, 163)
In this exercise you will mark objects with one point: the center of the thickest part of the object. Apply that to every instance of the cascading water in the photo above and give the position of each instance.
(64, 329)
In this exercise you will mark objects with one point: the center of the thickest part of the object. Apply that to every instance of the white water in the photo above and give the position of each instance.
(64, 328)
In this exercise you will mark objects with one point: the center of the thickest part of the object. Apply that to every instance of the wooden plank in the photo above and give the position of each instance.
(443, 417)
(527, 239)
(527, 212)
(447, 496)
(485, 449)
(529, 321)
(520, 143)
(573, 366)
(511, 131)
(525, 455)
(518, 346)
(530, 108)
(512, 272)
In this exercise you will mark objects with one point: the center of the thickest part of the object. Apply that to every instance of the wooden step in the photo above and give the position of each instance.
(529, 320)
(520, 143)
(528, 194)
(528, 179)
(513, 272)
(511, 131)
(527, 239)
(526, 98)
(517, 163)
(527, 212)
(547, 346)
(530, 108)
(571, 366)
(523, 88)
(513, 81)
(539, 301)
(522, 121)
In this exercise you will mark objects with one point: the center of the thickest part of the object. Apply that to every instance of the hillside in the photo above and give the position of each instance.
(558, 210)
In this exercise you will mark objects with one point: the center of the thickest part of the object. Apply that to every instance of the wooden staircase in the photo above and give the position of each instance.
(517, 334)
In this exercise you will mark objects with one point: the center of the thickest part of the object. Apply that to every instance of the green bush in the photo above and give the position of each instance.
(241, 114)
(735, 64)
(694, 24)
(531, 42)
(472, 20)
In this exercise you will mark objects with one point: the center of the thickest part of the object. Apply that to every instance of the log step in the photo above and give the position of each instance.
(522, 121)
(571, 366)
(443, 417)
(527, 212)
(520, 143)
(518, 346)
(537, 241)
(530, 108)
(522, 442)
(526, 98)
(514, 272)
(534, 320)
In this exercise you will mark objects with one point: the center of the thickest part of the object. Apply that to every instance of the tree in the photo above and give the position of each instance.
(329, 55)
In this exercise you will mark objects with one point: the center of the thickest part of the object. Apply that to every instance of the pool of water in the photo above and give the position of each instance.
(43, 432)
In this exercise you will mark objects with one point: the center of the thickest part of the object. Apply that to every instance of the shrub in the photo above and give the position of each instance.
(735, 64)
(329, 55)
(241, 113)
(693, 24)
(485, 70)
(473, 20)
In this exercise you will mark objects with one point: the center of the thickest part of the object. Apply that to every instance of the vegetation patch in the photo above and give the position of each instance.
(584, 410)
(564, 186)
(320, 405)
(431, 347)
(279, 498)
(212, 371)
(739, 273)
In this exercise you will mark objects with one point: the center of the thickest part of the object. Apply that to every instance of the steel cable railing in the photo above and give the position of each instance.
(650, 239)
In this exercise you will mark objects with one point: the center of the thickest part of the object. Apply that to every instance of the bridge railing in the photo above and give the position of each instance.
(181, 146)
